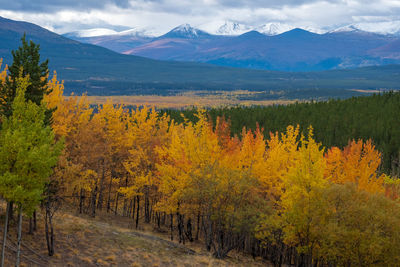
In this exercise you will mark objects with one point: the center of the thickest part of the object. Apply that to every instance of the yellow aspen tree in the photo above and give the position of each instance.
(3, 76)
(281, 154)
(302, 219)
(146, 131)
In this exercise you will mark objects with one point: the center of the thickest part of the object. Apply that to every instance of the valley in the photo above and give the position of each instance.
(97, 71)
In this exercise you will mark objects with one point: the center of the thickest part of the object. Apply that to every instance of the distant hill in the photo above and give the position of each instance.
(293, 50)
(99, 71)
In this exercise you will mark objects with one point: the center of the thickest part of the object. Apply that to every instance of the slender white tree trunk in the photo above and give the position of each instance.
(19, 237)
(3, 250)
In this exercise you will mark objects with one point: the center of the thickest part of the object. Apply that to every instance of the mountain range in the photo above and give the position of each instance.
(100, 71)
(271, 47)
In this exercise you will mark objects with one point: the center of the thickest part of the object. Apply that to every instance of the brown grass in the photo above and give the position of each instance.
(190, 99)
(107, 241)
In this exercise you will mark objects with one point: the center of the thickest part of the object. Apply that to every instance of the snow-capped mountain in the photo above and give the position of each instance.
(347, 28)
(92, 32)
(225, 28)
(383, 27)
(233, 28)
(274, 28)
(185, 31)
(233, 44)
(97, 32)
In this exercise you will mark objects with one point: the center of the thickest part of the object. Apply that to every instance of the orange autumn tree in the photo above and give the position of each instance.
(205, 172)
(357, 163)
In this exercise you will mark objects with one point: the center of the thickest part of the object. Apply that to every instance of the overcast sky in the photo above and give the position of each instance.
(162, 15)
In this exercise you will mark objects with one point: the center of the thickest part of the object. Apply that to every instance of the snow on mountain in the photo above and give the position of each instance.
(274, 28)
(97, 32)
(383, 27)
(93, 32)
(185, 31)
(140, 32)
(225, 28)
(347, 28)
(232, 28)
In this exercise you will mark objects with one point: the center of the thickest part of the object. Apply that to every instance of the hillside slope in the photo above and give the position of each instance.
(87, 242)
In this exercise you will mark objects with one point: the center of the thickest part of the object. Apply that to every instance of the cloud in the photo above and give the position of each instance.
(54, 5)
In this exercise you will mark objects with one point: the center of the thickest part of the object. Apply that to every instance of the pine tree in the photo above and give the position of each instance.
(28, 152)
(26, 63)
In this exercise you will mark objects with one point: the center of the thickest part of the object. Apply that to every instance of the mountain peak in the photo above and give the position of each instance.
(347, 28)
(185, 31)
(184, 27)
(298, 32)
(252, 34)
(225, 27)
(232, 28)
(274, 28)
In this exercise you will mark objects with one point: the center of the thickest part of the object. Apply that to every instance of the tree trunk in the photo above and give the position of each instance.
(209, 233)
(34, 221)
(109, 194)
(30, 226)
(198, 226)
(180, 228)
(146, 205)
(93, 200)
(49, 232)
(100, 201)
(5, 235)
(134, 208)
(137, 212)
(172, 226)
(116, 204)
(189, 230)
(158, 217)
(163, 218)
(125, 208)
(19, 237)
(11, 213)
(81, 198)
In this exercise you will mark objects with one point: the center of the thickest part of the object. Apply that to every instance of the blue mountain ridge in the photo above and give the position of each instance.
(295, 50)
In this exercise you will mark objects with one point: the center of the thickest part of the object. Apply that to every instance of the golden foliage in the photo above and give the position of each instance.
(357, 163)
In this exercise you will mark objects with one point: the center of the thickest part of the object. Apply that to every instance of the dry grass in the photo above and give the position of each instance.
(107, 241)
(189, 99)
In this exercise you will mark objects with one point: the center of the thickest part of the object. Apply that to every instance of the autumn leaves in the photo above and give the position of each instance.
(286, 191)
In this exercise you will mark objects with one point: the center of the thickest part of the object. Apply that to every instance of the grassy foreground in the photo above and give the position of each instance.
(84, 241)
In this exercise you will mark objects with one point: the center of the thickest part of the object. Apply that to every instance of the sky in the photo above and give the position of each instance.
(160, 16)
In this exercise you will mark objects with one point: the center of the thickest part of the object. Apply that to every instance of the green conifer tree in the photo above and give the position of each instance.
(26, 62)
(28, 152)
